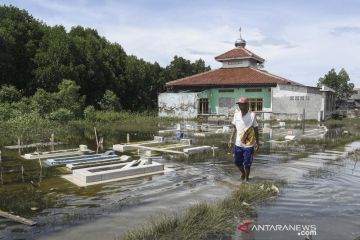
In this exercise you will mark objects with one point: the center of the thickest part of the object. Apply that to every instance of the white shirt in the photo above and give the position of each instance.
(242, 123)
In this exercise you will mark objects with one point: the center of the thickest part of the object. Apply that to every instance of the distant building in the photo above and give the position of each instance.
(355, 98)
(272, 97)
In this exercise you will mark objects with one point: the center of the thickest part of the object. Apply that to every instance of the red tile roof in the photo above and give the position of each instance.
(231, 76)
(237, 53)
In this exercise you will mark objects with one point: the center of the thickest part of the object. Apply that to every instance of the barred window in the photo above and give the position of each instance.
(291, 98)
(253, 90)
(203, 106)
(226, 90)
(255, 104)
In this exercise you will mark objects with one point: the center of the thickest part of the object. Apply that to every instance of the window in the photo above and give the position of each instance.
(255, 104)
(292, 98)
(203, 106)
(234, 62)
(302, 98)
(253, 89)
(226, 90)
(307, 98)
(297, 98)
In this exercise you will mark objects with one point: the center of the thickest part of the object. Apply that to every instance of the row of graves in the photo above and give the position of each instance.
(123, 161)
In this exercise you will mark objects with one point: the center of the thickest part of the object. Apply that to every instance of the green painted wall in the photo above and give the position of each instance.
(213, 95)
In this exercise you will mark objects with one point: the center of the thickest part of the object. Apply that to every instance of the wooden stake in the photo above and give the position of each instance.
(213, 150)
(1, 176)
(128, 138)
(22, 172)
(17, 218)
(41, 167)
(96, 137)
(52, 139)
(303, 126)
(1, 170)
(101, 143)
(19, 146)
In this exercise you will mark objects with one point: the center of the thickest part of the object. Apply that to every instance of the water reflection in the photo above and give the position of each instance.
(318, 190)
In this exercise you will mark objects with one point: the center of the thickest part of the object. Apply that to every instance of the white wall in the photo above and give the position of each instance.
(178, 104)
(310, 99)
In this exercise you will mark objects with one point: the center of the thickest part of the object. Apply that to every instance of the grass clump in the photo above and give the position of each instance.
(207, 220)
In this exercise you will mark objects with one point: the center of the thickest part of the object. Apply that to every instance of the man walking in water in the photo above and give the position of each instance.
(247, 138)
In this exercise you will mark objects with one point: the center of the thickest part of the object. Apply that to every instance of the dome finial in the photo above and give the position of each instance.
(240, 42)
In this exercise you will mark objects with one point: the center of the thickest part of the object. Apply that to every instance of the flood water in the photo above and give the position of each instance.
(322, 193)
(319, 191)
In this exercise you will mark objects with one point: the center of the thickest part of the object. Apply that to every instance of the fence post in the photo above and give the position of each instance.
(52, 139)
(19, 145)
(22, 173)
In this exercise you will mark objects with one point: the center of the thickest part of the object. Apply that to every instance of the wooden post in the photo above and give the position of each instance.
(128, 138)
(17, 218)
(19, 145)
(303, 127)
(213, 150)
(101, 143)
(22, 173)
(1, 175)
(40, 163)
(52, 139)
(96, 137)
(1, 169)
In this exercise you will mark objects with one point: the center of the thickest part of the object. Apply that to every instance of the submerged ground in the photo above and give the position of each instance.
(318, 190)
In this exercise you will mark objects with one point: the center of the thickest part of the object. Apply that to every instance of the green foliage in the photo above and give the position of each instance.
(44, 102)
(207, 220)
(53, 59)
(339, 82)
(180, 68)
(6, 111)
(20, 36)
(9, 94)
(34, 55)
(29, 127)
(62, 115)
(110, 101)
(68, 97)
(10, 110)
(90, 113)
(23, 106)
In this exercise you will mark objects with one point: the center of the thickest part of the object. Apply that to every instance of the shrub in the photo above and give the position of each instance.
(62, 115)
(9, 93)
(90, 113)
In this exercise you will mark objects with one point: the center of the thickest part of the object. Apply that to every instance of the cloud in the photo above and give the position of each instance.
(271, 41)
(336, 31)
(199, 52)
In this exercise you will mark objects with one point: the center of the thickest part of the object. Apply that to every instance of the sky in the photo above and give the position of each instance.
(300, 39)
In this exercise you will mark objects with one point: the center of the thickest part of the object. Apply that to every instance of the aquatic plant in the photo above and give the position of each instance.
(206, 220)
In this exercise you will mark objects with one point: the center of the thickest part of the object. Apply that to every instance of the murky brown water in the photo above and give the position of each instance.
(321, 192)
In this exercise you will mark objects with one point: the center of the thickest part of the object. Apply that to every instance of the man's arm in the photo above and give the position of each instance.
(233, 132)
(256, 130)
